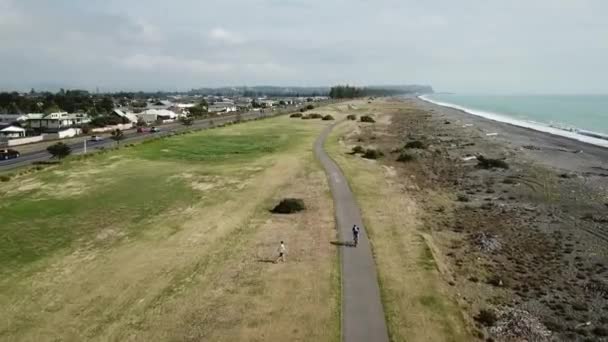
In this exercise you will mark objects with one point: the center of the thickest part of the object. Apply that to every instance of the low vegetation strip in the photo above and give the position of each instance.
(416, 304)
(169, 240)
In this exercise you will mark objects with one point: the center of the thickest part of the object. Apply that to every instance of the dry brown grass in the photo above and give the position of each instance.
(417, 304)
(200, 274)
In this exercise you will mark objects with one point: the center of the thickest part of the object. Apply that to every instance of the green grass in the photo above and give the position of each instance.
(125, 191)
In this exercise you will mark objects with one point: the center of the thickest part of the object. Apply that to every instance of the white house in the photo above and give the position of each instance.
(12, 132)
(222, 107)
(57, 121)
(10, 118)
(154, 115)
(130, 117)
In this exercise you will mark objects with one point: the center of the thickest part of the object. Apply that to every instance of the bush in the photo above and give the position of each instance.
(600, 331)
(5, 178)
(358, 149)
(310, 107)
(405, 157)
(415, 144)
(305, 117)
(328, 117)
(367, 118)
(296, 115)
(46, 162)
(316, 116)
(370, 153)
(487, 163)
(351, 117)
(289, 206)
(59, 150)
(486, 317)
(302, 110)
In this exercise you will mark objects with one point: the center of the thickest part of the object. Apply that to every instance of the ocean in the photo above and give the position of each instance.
(580, 117)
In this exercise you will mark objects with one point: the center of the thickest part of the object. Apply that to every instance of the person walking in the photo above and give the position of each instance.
(355, 235)
(282, 251)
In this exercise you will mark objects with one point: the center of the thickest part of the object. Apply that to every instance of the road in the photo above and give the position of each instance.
(362, 313)
(132, 136)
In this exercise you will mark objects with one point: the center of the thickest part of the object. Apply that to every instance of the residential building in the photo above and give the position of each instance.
(222, 107)
(12, 132)
(156, 115)
(125, 116)
(12, 118)
(54, 122)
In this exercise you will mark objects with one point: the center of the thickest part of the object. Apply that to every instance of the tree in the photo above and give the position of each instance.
(187, 121)
(59, 150)
(106, 105)
(117, 135)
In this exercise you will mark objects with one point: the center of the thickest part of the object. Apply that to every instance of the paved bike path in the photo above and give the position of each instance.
(362, 313)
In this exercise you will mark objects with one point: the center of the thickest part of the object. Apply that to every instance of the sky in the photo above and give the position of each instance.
(464, 46)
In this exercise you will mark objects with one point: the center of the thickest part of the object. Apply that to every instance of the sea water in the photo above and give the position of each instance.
(580, 117)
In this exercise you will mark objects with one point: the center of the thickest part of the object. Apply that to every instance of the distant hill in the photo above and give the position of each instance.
(406, 89)
(302, 91)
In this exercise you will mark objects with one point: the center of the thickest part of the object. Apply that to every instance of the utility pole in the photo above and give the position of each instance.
(85, 146)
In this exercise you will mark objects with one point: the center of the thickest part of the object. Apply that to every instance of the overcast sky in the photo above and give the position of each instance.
(481, 46)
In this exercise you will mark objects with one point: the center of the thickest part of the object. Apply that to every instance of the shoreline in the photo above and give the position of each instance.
(525, 241)
(556, 151)
(587, 137)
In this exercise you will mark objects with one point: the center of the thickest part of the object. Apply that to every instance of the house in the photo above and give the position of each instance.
(156, 115)
(244, 106)
(267, 103)
(125, 117)
(12, 132)
(12, 118)
(222, 107)
(54, 122)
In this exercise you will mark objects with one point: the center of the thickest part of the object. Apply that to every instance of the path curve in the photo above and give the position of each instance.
(362, 313)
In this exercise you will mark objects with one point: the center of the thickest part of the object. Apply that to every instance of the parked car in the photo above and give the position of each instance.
(9, 154)
(154, 130)
(141, 130)
(96, 138)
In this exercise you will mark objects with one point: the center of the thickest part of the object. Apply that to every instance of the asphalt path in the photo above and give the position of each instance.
(362, 312)
(131, 136)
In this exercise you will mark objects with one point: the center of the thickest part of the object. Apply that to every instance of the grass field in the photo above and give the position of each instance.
(416, 303)
(171, 240)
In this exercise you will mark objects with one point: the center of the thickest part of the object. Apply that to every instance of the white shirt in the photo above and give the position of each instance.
(282, 248)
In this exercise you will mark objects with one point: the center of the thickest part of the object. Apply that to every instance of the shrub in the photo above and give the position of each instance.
(305, 117)
(328, 117)
(316, 116)
(600, 331)
(5, 178)
(463, 198)
(405, 157)
(296, 115)
(302, 110)
(310, 107)
(415, 144)
(358, 149)
(289, 206)
(367, 118)
(46, 162)
(351, 117)
(486, 317)
(59, 150)
(371, 153)
(487, 163)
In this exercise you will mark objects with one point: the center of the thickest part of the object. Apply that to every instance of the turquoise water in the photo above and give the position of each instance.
(589, 112)
(575, 114)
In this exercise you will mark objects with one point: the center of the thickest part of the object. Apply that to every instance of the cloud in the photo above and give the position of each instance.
(469, 45)
(172, 64)
(223, 36)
